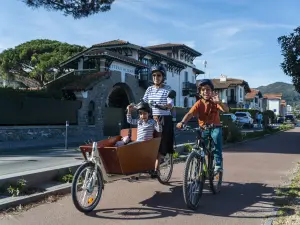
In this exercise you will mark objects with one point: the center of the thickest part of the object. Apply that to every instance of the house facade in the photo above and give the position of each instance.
(108, 76)
(273, 103)
(177, 58)
(254, 100)
(231, 90)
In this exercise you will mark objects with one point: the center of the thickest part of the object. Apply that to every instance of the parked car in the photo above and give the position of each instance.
(280, 119)
(290, 119)
(245, 118)
(231, 115)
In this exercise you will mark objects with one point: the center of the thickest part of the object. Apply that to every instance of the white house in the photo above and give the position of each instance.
(185, 82)
(231, 90)
(289, 109)
(177, 58)
(254, 100)
(273, 102)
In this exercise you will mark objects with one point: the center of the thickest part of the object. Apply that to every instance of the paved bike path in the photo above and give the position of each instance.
(252, 170)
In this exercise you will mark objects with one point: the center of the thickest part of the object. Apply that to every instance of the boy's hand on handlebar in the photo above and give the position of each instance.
(179, 125)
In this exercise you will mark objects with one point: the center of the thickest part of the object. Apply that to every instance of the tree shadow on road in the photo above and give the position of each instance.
(235, 200)
(283, 142)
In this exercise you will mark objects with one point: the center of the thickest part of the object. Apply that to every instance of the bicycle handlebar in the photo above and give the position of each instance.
(205, 127)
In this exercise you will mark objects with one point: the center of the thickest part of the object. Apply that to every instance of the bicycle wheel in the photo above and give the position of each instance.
(215, 179)
(86, 202)
(193, 181)
(165, 169)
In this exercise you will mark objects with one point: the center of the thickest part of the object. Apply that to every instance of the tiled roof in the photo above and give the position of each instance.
(170, 45)
(273, 96)
(111, 54)
(229, 83)
(112, 43)
(283, 102)
(82, 83)
(253, 93)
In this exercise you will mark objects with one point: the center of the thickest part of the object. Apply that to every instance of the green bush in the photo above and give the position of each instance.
(231, 133)
(269, 114)
(7, 92)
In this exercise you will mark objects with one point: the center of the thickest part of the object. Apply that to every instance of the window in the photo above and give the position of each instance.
(241, 93)
(169, 54)
(91, 112)
(186, 102)
(186, 76)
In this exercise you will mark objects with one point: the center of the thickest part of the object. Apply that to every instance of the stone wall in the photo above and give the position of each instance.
(99, 94)
(25, 133)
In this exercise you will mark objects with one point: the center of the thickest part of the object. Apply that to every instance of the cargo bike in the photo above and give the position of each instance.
(105, 163)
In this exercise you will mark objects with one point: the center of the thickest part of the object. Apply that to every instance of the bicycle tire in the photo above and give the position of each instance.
(185, 187)
(74, 189)
(159, 178)
(166, 180)
(211, 176)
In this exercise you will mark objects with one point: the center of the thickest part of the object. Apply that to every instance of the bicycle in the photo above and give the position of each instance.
(204, 168)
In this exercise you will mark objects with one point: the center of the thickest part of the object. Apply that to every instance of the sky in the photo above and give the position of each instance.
(237, 38)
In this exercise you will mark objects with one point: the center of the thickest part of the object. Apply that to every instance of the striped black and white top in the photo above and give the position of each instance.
(145, 130)
(159, 96)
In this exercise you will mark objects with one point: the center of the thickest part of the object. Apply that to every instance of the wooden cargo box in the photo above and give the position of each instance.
(128, 159)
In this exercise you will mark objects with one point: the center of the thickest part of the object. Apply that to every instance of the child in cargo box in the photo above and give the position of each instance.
(145, 126)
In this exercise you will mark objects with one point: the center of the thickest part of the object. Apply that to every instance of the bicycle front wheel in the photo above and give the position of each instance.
(86, 187)
(193, 180)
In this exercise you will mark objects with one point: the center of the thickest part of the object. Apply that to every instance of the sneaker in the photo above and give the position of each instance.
(218, 169)
(218, 166)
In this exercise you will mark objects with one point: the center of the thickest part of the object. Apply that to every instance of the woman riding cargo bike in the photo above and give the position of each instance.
(209, 141)
(158, 97)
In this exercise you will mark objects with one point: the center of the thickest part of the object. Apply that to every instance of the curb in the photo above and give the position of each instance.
(23, 200)
(40, 176)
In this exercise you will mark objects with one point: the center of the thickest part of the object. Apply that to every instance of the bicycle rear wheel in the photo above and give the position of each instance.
(193, 180)
(165, 169)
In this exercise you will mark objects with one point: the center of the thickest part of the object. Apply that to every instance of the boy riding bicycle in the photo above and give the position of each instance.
(206, 110)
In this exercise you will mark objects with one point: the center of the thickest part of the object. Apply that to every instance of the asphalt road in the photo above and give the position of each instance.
(252, 171)
(28, 159)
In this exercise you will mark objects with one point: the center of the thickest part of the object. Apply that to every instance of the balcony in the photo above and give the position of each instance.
(189, 89)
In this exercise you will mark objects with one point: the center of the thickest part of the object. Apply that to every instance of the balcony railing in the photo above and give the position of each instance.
(189, 88)
(144, 80)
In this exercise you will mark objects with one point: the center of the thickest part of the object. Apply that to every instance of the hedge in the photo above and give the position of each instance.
(16, 93)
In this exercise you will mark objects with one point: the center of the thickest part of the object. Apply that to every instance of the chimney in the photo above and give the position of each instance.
(223, 78)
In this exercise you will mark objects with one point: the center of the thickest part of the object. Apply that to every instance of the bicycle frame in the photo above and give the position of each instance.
(203, 150)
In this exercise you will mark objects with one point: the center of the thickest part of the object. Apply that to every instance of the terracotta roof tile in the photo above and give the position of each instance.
(230, 82)
(111, 43)
(273, 96)
(111, 54)
(82, 83)
(283, 102)
(253, 93)
(169, 45)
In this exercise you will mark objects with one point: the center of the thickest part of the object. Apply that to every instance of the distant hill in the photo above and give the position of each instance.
(288, 91)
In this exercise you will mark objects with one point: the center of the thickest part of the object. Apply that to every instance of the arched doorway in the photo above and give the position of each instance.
(119, 97)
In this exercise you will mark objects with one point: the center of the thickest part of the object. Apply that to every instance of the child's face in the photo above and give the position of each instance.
(206, 92)
(143, 115)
